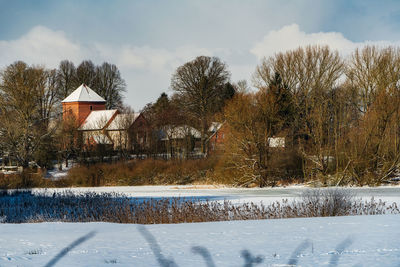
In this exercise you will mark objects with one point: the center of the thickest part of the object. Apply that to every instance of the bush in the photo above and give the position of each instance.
(328, 202)
(26, 179)
(141, 172)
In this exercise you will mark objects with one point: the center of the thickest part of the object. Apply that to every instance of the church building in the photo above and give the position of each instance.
(101, 126)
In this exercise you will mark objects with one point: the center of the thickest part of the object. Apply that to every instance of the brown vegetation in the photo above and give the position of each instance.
(339, 119)
(142, 172)
(26, 179)
(25, 207)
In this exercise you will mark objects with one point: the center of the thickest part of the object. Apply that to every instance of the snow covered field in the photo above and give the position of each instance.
(341, 241)
(345, 241)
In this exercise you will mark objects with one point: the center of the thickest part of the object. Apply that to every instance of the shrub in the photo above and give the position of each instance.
(328, 201)
(26, 179)
(140, 172)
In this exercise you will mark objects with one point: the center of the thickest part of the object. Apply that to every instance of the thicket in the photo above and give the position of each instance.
(25, 207)
(143, 172)
(340, 115)
(26, 179)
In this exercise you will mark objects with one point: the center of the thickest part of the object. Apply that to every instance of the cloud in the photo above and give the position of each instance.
(291, 37)
(148, 58)
(146, 70)
(40, 46)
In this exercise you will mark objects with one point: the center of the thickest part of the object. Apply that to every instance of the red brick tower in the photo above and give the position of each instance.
(81, 102)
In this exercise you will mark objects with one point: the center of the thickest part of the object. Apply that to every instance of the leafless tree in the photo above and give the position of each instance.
(110, 85)
(242, 87)
(199, 84)
(66, 79)
(311, 73)
(373, 77)
(27, 96)
(86, 73)
(68, 139)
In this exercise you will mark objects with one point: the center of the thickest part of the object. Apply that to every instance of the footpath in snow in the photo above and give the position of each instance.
(341, 241)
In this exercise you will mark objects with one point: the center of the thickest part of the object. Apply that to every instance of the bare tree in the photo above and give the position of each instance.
(199, 84)
(242, 87)
(46, 93)
(68, 139)
(86, 73)
(311, 73)
(373, 77)
(110, 85)
(370, 70)
(26, 97)
(106, 80)
(66, 79)
(254, 119)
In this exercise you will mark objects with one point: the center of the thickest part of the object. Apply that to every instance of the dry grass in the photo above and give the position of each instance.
(25, 207)
(141, 172)
(26, 179)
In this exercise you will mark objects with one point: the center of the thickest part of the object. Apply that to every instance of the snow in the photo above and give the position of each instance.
(83, 94)
(215, 126)
(56, 174)
(98, 119)
(240, 195)
(350, 241)
(122, 121)
(180, 132)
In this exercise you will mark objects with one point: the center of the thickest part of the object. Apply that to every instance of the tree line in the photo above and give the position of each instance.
(31, 127)
(339, 115)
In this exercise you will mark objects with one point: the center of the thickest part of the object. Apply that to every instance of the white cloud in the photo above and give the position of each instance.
(148, 58)
(291, 37)
(146, 70)
(40, 46)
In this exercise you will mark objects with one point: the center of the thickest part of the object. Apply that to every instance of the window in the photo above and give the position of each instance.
(91, 107)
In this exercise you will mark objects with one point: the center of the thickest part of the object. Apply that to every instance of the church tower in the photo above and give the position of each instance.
(81, 102)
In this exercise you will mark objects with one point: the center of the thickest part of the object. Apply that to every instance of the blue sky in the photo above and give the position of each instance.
(149, 39)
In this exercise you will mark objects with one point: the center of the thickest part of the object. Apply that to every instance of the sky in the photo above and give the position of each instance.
(148, 39)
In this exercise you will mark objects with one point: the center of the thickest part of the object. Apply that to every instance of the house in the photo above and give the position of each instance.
(93, 129)
(276, 142)
(218, 132)
(180, 141)
(217, 135)
(99, 126)
(129, 132)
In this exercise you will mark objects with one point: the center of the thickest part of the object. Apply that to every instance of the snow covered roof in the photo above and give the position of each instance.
(215, 126)
(98, 119)
(83, 94)
(123, 121)
(180, 132)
